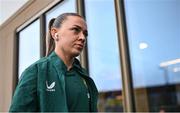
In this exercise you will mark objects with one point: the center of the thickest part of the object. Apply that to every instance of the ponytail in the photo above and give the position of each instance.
(50, 44)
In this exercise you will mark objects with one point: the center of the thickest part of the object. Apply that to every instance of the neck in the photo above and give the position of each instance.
(67, 59)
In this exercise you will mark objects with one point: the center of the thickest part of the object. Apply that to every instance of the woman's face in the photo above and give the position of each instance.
(72, 36)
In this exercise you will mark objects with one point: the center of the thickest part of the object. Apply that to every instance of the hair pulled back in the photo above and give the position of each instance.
(56, 23)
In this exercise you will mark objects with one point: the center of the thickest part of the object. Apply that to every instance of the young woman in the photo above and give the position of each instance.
(57, 82)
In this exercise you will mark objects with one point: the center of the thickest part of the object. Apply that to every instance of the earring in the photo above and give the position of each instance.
(56, 37)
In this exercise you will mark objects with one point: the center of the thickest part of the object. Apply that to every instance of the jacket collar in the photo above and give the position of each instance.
(61, 67)
(57, 61)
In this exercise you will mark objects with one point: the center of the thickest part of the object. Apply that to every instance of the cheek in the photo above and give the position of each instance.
(68, 40)
(66, 43)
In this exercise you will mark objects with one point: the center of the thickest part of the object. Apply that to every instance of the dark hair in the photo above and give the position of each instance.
(55, 22)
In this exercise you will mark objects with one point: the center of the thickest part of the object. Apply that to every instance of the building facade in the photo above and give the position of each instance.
(132, 50)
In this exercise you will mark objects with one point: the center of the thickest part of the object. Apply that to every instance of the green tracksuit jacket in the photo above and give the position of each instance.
(33, 93)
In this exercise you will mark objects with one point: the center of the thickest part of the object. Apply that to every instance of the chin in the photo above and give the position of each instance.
(77, 53)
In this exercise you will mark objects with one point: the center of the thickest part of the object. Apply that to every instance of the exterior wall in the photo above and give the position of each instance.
(2, 45)
(6, 72)
(7, 48)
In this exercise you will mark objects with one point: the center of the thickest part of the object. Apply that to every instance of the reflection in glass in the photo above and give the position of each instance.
(103, 54)
(154, 35)
(29, 46)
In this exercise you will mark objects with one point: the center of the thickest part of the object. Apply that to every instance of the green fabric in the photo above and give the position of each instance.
(42, 87)
(76, 91)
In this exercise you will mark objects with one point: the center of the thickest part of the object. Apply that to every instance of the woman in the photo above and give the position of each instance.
(57, 82)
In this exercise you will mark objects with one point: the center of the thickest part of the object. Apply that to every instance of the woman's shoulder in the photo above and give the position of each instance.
(41, 61)
(33, 67)
(38, 62)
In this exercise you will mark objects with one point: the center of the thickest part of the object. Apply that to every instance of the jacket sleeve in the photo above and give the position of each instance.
(25, 96)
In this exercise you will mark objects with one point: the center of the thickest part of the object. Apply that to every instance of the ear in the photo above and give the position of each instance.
(53, 32)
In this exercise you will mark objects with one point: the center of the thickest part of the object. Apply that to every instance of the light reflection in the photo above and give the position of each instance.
(143, 45)
(170, 62)
(176, 69)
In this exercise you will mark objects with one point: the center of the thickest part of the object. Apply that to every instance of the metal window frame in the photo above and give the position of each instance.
(17, 49)
(42, 35)
(128, 94)
(129, 104)
(84, 55)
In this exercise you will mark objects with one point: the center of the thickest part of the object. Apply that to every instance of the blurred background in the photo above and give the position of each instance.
(132, 50)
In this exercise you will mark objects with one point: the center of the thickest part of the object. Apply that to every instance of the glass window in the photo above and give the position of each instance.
(29, 46)
(103, 53)
(154, 36)
(64, 6)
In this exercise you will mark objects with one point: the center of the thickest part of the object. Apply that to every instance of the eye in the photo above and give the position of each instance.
(85, 33)
(76, 30)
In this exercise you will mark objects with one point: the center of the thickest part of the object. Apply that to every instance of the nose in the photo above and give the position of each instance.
(82, 37)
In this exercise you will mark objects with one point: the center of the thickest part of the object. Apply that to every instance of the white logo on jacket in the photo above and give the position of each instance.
(50, 87)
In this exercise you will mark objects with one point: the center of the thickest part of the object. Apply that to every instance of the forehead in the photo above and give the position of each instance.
(74, 20)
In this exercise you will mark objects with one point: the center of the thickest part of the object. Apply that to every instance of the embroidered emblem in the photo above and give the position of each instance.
(50, 87)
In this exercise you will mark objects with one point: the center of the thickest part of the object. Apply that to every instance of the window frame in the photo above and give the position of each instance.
(17, 46)
(129, 103)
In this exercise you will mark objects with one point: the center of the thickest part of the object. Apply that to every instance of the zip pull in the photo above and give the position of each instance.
(85, 83)
(88, 95)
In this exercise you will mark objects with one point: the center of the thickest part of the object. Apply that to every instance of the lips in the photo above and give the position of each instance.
(80, 46)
